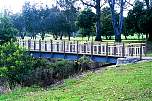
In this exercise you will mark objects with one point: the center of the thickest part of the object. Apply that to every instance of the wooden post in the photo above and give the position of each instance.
(23, 43)
(107, 52)
(51, 46)
(107, 49)
(140, 51)
(132, 50)
(39, 45)
(34, 45)
(115, 48)
(57, 46)
(64, 48)
(77, 50)
(123, 50)
(45, 45)
(29, 45)
(92, 50)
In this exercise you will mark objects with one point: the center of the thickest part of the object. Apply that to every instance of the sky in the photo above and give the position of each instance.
(16, 5)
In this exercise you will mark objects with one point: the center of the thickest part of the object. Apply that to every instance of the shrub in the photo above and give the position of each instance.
(14, 62)
(84, 63)
(39, 76)
(20, 68)
(63, 69)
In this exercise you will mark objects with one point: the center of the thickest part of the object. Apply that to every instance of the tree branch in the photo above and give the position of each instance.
(128, 2)
(87, 4)
(105, 1)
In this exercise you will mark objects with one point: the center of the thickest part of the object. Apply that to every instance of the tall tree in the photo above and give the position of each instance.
(97, 5)
(19, 24)
(117, 25)
(7, 30)
(107, 28)
(86, 22)
(70, 12)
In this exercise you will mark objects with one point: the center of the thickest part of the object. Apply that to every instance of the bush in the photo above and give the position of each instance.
(40, 74)
(63, 69)
(14, 62)
(20, 68)
(84, 63)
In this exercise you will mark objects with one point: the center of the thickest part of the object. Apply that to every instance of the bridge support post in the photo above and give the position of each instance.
(29, 45)
(34, 45)
(45, 45)
(23, 43)
(140, 51)
(77, 50)
(64, 48)
(107, 51)
(40, 47)
(51, 42)
(123, 50)
(91, 50)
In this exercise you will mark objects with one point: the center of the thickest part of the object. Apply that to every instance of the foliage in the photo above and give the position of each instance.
(20, 68)
(96, 4)
(14, 62)
(139, 19)
(107, 28)
(117, 24)
(7, 31)
(86, 22)
(36, 19)
(63, 69)
(84, 63)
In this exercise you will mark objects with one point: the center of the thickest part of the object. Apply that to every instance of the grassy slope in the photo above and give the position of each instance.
(131, 82)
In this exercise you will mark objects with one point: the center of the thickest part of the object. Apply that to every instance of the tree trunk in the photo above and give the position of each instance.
(126, 37)
(115, 26)
(56, 36)
(150, 37)
(69, 35)
(110, 37)
(98, 23)
(146, 35)
(106, 37)
(61, 35)
(88, 37)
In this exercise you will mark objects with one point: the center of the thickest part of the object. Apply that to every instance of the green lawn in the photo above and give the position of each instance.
(124, 83)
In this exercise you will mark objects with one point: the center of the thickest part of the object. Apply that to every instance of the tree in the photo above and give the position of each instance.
(70, 13)
(31, 17)
(148, 17)
(140, 20)
(117, 25)
(107, 28)
(86, 22)
(97, 5)
(7, 31)
(19, 24)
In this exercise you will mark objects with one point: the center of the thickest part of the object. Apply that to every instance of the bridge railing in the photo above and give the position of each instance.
(92, 48)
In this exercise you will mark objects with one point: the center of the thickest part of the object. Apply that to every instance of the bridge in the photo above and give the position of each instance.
(73, 50)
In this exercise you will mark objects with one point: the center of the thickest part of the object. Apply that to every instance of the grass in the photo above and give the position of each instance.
(125, 83)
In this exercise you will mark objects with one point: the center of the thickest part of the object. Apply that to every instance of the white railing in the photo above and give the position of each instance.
(92, 48)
